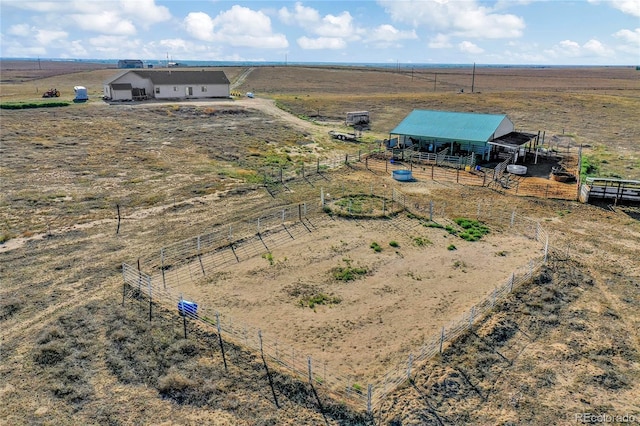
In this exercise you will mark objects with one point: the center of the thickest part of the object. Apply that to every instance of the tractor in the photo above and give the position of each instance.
(51, 93)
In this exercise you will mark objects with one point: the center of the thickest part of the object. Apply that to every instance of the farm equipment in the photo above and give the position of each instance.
(343, 136)
(51, 93)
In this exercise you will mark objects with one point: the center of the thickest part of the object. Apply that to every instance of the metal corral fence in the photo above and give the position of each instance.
(193, 258)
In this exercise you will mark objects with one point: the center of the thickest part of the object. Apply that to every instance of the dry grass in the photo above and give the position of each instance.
(60, 291)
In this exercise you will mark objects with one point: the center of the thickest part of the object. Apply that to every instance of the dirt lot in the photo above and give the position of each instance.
(178, 170)
(406, 295)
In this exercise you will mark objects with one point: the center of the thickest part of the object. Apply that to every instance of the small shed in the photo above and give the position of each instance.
(81, 94)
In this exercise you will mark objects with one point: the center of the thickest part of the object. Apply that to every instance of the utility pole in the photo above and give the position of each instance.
(473, 77)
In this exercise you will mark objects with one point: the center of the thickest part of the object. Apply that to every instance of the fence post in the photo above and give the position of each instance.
(431, 211)
(124, 282)
(471, 315)
(318, 165)
(309, 368)
(493, 298)
(224, 358)
(409, 365)
(164, 283)
(200, 257)
(441, 338)
(150, 297)
(546, 250)
(513, 218)
(264, 361)
(346, 159)
(369, 393)
(184, 316)
(513, 278)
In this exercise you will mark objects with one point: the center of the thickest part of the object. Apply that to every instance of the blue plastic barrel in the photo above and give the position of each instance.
(187, 308)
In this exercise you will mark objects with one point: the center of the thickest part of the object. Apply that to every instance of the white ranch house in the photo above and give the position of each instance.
(138, 85)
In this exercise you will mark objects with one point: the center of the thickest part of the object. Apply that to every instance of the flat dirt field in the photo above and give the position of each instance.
(366, 325)
(86, 187)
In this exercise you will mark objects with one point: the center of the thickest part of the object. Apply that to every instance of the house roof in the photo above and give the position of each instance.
(460, 126)
(173, 76)
(201, 76)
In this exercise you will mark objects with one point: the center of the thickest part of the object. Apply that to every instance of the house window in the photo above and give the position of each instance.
(203, 89)
(175, 88)
(157, 90)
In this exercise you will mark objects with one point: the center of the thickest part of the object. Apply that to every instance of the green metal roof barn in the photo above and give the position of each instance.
(460, 132)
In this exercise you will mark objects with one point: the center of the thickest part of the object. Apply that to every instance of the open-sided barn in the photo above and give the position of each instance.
(138, 84)
(461, 133)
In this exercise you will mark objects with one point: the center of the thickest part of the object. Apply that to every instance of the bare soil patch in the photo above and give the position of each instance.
(405, 294)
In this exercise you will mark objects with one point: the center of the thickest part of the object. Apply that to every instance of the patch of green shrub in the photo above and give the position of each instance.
(421, 241)
(394, 244)
(451, 247)
(28, 105)
(348, 272)
(376, 247)
(319, 299)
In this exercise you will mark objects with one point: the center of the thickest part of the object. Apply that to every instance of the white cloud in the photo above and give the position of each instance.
(440, 41)
(336, 26)
(20, 30)
(469, 47)
(629, 36)
(200, 26)
(464, 18)
(301, 15)
(387, 35)
(105, 22)
(629, 7)
(594, 47)
(47, 37)
(148, 11)
(238, 26)
(321, 43)
(571, 49)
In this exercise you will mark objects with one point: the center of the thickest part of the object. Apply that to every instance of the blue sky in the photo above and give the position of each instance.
(544, 32)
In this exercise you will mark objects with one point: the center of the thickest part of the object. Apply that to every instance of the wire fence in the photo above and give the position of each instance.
(159, 277)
